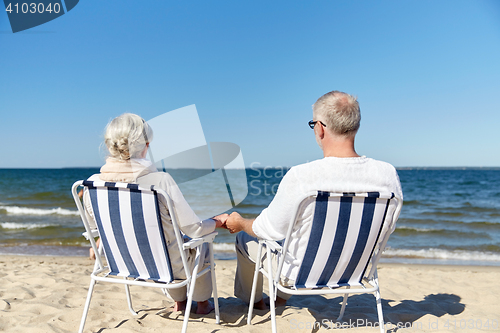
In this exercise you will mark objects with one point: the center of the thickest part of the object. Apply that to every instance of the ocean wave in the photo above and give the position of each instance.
(415, 203)
(52, 196)
(16, 210)
(14, 225)
(467, 207)
(224, 247)
(418, 229)
(445, 233)
(257, 205)
(470, 182)
(442, 254)
(444, 213)
(476, 224)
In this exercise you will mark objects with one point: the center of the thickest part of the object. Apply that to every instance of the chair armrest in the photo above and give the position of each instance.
(191, 244)
(94, 234)
(273, 245)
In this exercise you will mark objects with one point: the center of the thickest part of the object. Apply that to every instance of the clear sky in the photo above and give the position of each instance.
(426, 73)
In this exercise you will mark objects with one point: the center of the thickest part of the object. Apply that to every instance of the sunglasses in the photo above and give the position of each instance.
(312, 123)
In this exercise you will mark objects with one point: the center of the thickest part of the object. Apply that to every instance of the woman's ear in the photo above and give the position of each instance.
(145, 151)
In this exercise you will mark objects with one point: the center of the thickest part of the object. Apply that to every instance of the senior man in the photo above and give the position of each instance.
(336, 120)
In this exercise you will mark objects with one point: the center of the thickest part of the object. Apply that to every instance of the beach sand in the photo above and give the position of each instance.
(46, 294)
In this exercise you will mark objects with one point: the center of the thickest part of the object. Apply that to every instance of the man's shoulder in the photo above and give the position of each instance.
(361, 161)
(307, 165)
(342, 170)
(381, 164)
(333, 164)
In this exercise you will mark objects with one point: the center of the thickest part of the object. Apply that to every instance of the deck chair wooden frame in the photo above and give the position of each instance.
(356, 227)
(130, 228)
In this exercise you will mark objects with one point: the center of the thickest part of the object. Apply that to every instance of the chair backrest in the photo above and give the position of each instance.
(345, 231)
(129, 223)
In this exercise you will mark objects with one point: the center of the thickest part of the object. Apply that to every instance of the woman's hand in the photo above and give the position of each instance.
(220, 220)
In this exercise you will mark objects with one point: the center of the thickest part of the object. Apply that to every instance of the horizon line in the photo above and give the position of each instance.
(261, 167)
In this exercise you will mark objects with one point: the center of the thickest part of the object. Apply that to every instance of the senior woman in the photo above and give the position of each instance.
(127, 138)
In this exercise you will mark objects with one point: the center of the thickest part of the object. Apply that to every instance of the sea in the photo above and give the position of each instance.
(449, 216)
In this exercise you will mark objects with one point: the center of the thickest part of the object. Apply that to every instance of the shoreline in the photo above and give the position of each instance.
(47, 293)
(82, 251)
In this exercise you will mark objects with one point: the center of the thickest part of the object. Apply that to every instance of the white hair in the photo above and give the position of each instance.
(126, 136)
(339, 112)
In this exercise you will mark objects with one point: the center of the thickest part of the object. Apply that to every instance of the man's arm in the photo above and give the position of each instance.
(236, 223)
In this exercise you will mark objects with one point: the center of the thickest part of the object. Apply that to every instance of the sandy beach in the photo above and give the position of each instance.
(46, 294)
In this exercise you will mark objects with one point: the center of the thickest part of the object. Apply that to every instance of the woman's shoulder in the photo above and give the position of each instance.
(159, 178)
(94, 178)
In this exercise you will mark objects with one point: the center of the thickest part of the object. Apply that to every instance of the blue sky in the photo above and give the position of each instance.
(426, 73)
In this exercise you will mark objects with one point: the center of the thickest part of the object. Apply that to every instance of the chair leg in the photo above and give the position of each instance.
(380, 313)
(87, 305)
(191, 291)
(129, 299)
(214, 283)
(344, 303)
(272, 294)
(254, 284)
(98, 261)
(379, 305)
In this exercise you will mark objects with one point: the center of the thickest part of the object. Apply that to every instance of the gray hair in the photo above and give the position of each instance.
(339, 112)
(126, 136)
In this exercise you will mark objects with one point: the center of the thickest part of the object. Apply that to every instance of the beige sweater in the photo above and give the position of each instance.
(142, 172)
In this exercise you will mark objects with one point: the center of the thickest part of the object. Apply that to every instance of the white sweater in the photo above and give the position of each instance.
(332, 174)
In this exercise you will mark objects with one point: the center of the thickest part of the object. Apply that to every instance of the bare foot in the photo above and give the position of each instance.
(179, 306)
(260, 305)
(91, 250)
(279, 301)
(91, 254)
(205, 307)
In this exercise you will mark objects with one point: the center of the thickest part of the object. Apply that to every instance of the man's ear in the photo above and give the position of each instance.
(321, 131)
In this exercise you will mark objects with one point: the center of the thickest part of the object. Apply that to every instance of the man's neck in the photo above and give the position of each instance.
(339, 147)
(340, 154)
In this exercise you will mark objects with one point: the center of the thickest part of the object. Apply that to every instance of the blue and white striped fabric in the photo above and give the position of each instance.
(129, 223)
(344, 233)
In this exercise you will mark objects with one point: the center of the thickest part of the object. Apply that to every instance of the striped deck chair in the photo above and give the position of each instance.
(348, 233)
(129, 224)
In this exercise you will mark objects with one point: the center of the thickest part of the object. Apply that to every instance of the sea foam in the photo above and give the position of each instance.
(442, 254)
(15, 210)
(224, 247)
(418, 229)
(14, 225)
